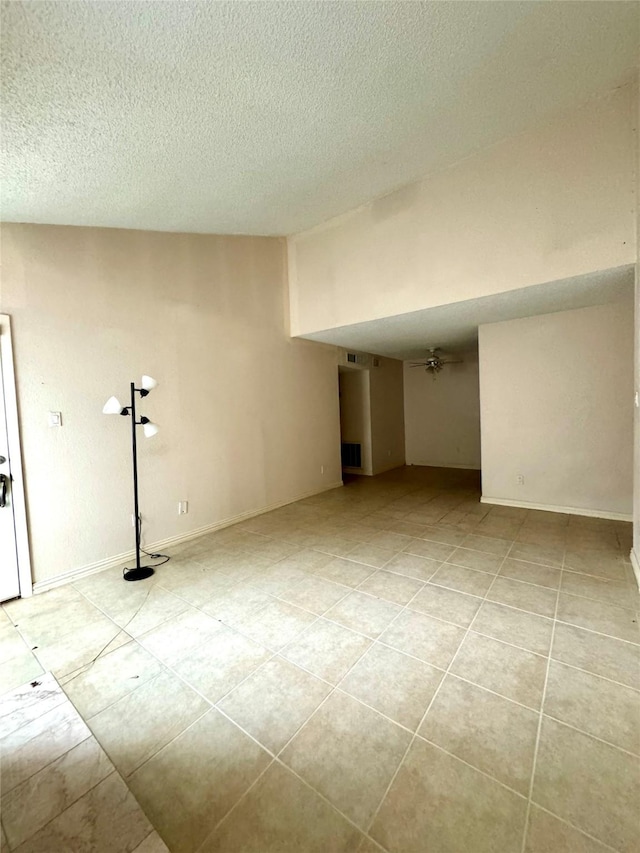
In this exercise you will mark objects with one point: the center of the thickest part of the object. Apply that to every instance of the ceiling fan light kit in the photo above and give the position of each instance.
(433, 363)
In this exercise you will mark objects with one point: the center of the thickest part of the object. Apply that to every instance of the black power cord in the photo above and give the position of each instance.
(165, 557)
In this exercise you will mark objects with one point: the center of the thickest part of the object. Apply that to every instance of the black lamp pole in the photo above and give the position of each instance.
(113, 407)
(139, 572)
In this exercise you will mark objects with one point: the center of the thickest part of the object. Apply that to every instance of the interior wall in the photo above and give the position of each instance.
(442, 416)
(247, 416)
(542, 206)
(636, 411)
(355, 412)
(556, 398)
(387, 415)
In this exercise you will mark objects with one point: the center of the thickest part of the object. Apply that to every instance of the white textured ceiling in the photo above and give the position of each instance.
(269, 117)
(455, 326)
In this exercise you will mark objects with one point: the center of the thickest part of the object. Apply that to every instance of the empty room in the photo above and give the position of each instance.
(319, 426)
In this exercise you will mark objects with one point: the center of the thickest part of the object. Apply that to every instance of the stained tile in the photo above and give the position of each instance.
(600, 655)
(594, 705)
(600, 589)
(429, 639)
(349, 754)
(438, 803)
(398, 686)
(485, 730)
(432, 550)
(530, 573)
(217, 756)
(344, 572)
(593, 786)
(161, 708)
(111, 677)
(42, 797)
(392, 541)
(315, 594)
(514, 626)
(477, 560)
(443, 534)
(420, 568)
(462, 580)
(363, 613)
(371, 555)
(273, 702)
(277, 624)
(28, 749)
(392, 587)
(221, 663)
(281, 814)
(499, 547)
(525, 596)
(547, 834)
(107, 819)
(28, 702)
(606, 564)
(543, 555)
(19, 670)
(514, 673)
(446, 604)
(327, 650)
(78, 649)
(599, 616)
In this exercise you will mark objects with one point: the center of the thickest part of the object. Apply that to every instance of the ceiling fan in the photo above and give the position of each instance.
(434, 363)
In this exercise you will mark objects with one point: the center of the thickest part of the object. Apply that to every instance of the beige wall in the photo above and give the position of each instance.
(442, 416)
(556, 407)
(539, 207)
(247, 415)
(387, 415)
(636, 411)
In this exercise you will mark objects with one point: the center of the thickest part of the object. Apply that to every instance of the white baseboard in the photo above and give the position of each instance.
(112, 562)
(570, 510)
(441, 465)
(635, 565)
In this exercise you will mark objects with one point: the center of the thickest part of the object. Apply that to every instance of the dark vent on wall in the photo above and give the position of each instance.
(351, 455)
(352, 358)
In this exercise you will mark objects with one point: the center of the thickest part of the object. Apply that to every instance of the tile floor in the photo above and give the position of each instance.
(391, 666)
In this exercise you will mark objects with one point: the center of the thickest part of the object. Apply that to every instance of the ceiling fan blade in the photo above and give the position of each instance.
(418, 364)
(453, 361)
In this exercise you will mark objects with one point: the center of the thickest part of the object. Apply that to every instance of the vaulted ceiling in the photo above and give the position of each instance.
(270, 117)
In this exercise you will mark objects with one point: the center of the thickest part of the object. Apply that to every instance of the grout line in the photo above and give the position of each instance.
(424, 716)
(539, 731)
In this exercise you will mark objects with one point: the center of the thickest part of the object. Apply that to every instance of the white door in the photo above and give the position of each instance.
(9, 578)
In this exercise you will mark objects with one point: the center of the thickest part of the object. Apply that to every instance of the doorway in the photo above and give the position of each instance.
(355, 420)
(15, 566)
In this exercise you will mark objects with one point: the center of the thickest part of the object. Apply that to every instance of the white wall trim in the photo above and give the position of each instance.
(15, 454)
(462, 466)
(635, 565)
(570, 510)
(112, 562)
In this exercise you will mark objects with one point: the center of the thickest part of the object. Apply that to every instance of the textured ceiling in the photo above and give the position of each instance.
(270, 117)
(455, 326)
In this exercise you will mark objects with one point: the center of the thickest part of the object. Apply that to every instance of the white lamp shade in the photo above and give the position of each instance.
(148, 383)
(149, 429)
(112, 407)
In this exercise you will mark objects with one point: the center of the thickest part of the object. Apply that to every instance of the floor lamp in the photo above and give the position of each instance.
(114, 407)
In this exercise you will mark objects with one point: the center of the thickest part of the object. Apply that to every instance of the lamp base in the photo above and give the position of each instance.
(138, 574)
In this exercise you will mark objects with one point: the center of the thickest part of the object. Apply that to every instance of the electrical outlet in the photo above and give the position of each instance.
(183, 507)
(133, 520)
(520, 480)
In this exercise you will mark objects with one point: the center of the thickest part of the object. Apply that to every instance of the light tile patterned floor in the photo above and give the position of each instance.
(391, 666)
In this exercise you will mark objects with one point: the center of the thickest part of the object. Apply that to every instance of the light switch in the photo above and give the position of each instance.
(55, 419)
